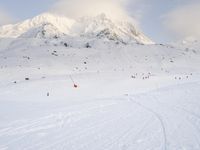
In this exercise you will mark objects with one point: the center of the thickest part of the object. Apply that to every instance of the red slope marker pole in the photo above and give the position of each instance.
(75, 85)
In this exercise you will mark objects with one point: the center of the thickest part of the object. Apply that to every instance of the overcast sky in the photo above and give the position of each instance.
(161, 20)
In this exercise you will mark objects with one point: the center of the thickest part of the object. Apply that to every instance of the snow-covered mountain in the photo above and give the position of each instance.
(50, 25)
(54, 23)
(74, 84)
(127, 97)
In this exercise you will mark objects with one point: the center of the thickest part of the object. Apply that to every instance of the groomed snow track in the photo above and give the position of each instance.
(163, 119)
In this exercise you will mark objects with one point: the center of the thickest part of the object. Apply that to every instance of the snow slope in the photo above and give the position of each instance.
(129, 96)
(166, 118)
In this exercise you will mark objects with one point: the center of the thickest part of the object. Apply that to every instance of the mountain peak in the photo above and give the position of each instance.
(101, 26)
(49, 25)
(61, 23)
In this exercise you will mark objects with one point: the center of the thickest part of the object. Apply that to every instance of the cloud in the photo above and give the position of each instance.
(5, 17)
(184, 22)
(115, 9)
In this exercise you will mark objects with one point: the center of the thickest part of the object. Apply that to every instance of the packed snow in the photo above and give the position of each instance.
(90, 93)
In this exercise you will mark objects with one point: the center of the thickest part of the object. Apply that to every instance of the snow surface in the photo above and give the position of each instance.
(129, 96)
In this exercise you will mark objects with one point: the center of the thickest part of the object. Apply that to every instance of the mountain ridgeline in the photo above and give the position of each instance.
(52, 26)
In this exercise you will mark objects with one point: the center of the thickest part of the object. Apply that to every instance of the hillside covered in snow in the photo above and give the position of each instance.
(96, 84)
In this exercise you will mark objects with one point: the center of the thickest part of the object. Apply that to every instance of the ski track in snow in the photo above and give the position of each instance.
(158, 117)
(108, 124)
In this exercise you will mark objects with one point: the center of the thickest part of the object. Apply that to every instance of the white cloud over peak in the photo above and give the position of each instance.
(184, 22)
(78, 8)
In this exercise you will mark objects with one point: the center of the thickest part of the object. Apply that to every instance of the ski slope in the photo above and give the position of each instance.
(165, 118)
(129, 96)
